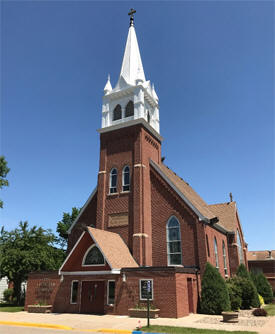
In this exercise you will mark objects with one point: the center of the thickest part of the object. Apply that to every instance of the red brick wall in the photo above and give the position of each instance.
(87, 218)
(133, 146)
(212, 233)
(164, 205)
(127, 293)
(42, 288)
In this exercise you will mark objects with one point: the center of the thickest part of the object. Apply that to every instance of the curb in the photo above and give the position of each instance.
(52, 326)
(32, 324)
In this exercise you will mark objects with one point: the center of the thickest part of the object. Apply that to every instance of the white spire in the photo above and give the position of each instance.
(108, 87)
(132, 69)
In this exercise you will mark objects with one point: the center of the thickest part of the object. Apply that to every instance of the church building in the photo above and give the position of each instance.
(143, 225)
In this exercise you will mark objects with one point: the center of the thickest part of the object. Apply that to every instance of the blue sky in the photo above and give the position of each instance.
(213, 70)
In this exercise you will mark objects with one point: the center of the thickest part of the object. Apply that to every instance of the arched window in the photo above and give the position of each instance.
(129, 111)
(117, 114)
(173, 242)
(224, 258)
(148, 117)
(207, 245)
(113, 181)
(93, 257)
(240, 248)
(216, 252)
(126, 178)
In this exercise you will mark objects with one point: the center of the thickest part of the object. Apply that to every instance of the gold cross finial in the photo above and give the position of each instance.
(131, 13)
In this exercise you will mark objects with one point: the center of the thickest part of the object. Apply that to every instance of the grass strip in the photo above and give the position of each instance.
(11, 308)
(270, 309)
(187, 330)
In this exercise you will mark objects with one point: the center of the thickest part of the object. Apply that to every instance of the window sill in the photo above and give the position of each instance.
(125, 192)
(113, 194)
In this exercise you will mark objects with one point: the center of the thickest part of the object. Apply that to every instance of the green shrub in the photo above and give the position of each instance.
(243, 272)
(249, 292)
(235, 294)
(261, 300)
(214, 293)
(8, 296)
(263, 286)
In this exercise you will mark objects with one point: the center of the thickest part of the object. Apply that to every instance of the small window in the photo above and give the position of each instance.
(126, 178)
(224, 259)
(111, 292)
(240, 249)
(216, 253)
(117, 113)
(74, 290)
(173, 242)
(94, 257)
(129, 111)
(146, 289)
(148, 117)
(113, 181)
(207, 245)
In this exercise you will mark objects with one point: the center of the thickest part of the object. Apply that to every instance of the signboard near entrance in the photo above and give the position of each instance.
(146, 288)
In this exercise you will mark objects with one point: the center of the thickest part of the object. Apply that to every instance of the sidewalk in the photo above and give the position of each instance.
(123, 324)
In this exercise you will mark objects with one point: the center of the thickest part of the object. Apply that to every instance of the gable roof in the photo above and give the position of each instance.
(185, 191)
(82, 210)
(226, 212)
(263, 255)
(113, 248)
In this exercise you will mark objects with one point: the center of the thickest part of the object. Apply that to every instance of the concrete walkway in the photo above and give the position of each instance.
(124, 324)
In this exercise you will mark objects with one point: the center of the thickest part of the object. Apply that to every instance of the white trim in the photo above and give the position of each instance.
(82, 273)
(92, 265)
(110, 280)
(130, 123)
(71, 252)
(71, 302)
(146, 279)
(171, 184)
(81, 211)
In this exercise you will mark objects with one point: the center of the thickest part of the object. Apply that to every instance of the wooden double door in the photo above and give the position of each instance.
(92, 297)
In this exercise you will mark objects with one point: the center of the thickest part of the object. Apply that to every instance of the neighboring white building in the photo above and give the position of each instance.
(3, 286)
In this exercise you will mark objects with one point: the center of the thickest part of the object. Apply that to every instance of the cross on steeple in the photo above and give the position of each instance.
(131, 13)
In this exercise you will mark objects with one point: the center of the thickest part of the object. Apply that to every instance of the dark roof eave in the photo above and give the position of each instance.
(172, 269)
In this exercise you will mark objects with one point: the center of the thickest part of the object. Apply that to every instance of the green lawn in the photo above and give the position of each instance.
(270, 309)
(186, 330)
(10, 308)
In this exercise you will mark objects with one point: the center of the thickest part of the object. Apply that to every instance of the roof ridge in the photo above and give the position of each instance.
(224, 203)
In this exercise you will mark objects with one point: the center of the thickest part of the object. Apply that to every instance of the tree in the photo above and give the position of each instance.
(64, 225)
(243, 272)
(24, 250)
(249, 292)
(3, 173)
(263, 287)
(235, 294)
(214, 293)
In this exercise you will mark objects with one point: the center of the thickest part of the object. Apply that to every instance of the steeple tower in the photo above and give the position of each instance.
(133, 99)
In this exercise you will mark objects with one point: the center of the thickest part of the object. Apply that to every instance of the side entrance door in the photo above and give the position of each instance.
(92, 297)
(190, 295)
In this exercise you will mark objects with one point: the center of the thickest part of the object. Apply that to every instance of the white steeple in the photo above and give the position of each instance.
(133, 98)
(132, 69)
